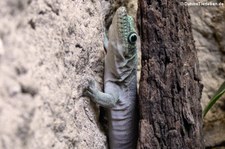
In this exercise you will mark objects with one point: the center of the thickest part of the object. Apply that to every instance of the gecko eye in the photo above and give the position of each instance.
(132, 38)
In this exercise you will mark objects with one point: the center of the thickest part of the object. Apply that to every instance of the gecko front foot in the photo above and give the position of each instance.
(104, 99)
(90, 90)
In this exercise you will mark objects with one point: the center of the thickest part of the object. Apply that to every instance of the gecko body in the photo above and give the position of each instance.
(120, 82)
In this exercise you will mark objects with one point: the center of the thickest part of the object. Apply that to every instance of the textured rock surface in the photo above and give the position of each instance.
(47, 48)
(209, 33)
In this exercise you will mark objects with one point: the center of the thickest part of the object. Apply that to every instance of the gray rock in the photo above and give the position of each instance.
(209, 34)
(46, 49)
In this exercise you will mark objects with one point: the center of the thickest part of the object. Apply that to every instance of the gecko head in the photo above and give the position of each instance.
(123, 30)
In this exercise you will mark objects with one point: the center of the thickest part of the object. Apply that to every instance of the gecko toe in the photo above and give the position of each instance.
(87, 93)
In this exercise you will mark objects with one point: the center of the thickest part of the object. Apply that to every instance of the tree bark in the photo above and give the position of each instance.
(170, 88)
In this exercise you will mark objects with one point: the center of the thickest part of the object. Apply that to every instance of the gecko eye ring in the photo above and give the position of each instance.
(132, 38)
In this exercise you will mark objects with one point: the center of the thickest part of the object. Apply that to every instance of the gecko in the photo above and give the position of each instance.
(120, 82)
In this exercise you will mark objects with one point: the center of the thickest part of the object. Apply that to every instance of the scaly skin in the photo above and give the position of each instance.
(120, 82)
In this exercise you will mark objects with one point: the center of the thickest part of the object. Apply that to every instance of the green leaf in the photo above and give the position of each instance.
(216, 96)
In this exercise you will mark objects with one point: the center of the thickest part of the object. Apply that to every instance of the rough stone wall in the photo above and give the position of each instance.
(47, 48)
(208, 25)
